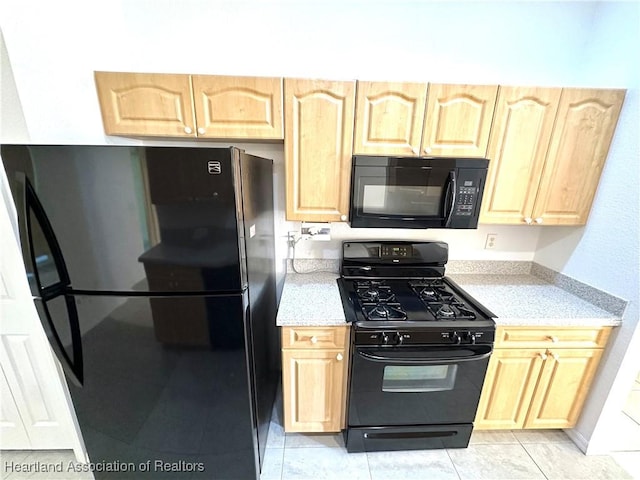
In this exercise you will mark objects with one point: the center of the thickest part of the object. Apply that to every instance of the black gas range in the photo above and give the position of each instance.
(420, 347)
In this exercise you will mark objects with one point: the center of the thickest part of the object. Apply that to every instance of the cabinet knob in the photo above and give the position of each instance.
(202, 130)
(553, 339)
(343, 218)
(314, 339)
(427, 150)
(339, 357)
(528, 220)
(539, 220)
(555, 356)
(415, 150)
(188, 130)
(543, 356)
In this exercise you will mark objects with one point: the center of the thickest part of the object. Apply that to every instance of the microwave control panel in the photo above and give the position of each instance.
(466, 199)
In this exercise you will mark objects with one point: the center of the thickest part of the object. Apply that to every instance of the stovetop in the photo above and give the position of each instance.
(396, 293)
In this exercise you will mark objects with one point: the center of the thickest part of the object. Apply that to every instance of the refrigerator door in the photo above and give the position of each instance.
(49, 281)
(167, 389)
(138, 219)
(258, 238)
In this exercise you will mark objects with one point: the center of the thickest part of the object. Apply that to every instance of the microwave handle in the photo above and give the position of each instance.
(451, 184)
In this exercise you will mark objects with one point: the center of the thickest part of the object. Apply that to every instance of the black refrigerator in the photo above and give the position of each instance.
(153, 273)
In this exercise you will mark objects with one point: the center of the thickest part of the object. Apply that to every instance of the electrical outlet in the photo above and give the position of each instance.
(492, 239)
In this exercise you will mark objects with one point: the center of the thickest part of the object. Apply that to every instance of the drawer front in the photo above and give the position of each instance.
(556, 337)
(314, 337)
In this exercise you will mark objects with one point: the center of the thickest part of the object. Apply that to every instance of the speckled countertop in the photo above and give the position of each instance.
(529, 300)
(520, 299)
(310, 299)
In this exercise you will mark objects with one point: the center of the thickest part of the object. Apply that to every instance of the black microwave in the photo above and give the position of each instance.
(410, 192)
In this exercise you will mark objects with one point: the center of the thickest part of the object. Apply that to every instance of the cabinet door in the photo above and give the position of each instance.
(579, 146)
(562, 388)
(389, 118)
(238, 107)
(458, 119)
(313, 390)
(318, 138)
(145, 104)
(508, 387)
(522, 126)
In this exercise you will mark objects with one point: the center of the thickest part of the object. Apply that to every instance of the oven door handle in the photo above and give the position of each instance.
(423, 360)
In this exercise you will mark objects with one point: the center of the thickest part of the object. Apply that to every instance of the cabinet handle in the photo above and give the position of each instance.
(202, 130)
(314, 339)
(415, 150)
(427, 150)
(528, 220)
(188, 130)
(543, 356)
(343, 218)
(555, 356)
(339, 357)
(553, 338)
(539, 220)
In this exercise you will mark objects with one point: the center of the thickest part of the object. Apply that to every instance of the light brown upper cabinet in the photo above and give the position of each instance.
(319, 117)
(146, 104)
(206, 106)
(547, 150)
(389, 118)
(458, 119)
(238, 107)
(522, 127)
(585, 124)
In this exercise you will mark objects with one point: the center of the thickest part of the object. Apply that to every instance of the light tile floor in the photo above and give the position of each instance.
(541, 454)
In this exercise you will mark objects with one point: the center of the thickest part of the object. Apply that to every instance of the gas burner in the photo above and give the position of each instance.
(383, 311)
(374, 291)
(450, 311)
(434, 293)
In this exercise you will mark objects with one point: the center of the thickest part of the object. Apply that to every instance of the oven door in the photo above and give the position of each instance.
(416, 385)
(402, 193)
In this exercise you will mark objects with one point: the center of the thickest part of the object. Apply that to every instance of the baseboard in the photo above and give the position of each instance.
(577, 438)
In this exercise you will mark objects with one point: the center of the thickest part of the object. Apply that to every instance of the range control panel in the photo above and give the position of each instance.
(422, 337)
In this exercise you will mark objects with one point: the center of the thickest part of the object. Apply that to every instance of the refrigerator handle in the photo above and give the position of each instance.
(34, 211)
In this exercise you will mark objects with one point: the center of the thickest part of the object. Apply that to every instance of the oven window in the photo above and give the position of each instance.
(407, 200)
(419, 378)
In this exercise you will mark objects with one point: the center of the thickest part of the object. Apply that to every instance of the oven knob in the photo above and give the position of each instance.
(470, 337)
(385, 339)
(455, 338)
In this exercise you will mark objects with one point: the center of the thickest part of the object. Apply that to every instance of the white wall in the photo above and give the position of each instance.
(606, 253)
(55, 46)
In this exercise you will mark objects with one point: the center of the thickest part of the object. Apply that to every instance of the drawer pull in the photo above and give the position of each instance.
(553, 338)
(314, 339)
(339, 357)
(543, 356)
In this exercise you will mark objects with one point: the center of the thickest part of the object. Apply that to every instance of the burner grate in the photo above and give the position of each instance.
(383, 311)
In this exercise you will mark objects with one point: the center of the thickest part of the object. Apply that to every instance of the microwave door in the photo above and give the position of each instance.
(401, 195)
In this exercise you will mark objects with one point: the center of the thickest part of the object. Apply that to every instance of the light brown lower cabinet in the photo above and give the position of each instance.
(314, 378)
(541, 387)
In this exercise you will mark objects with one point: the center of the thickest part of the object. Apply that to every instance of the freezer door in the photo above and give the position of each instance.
(138, 219)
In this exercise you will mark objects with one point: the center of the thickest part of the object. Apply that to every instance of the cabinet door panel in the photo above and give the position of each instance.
(319, 135)
(579, 146)
(313, 390)
(458, 119)
(238, 107)
(562, 388)
(145, 104)
(389, 118)
(508, 387)
(520, 136)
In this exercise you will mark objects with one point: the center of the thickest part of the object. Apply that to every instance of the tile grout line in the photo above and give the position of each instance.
(453, 463)
(532, 459)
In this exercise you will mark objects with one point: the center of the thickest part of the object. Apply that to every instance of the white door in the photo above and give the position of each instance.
(37, 412)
